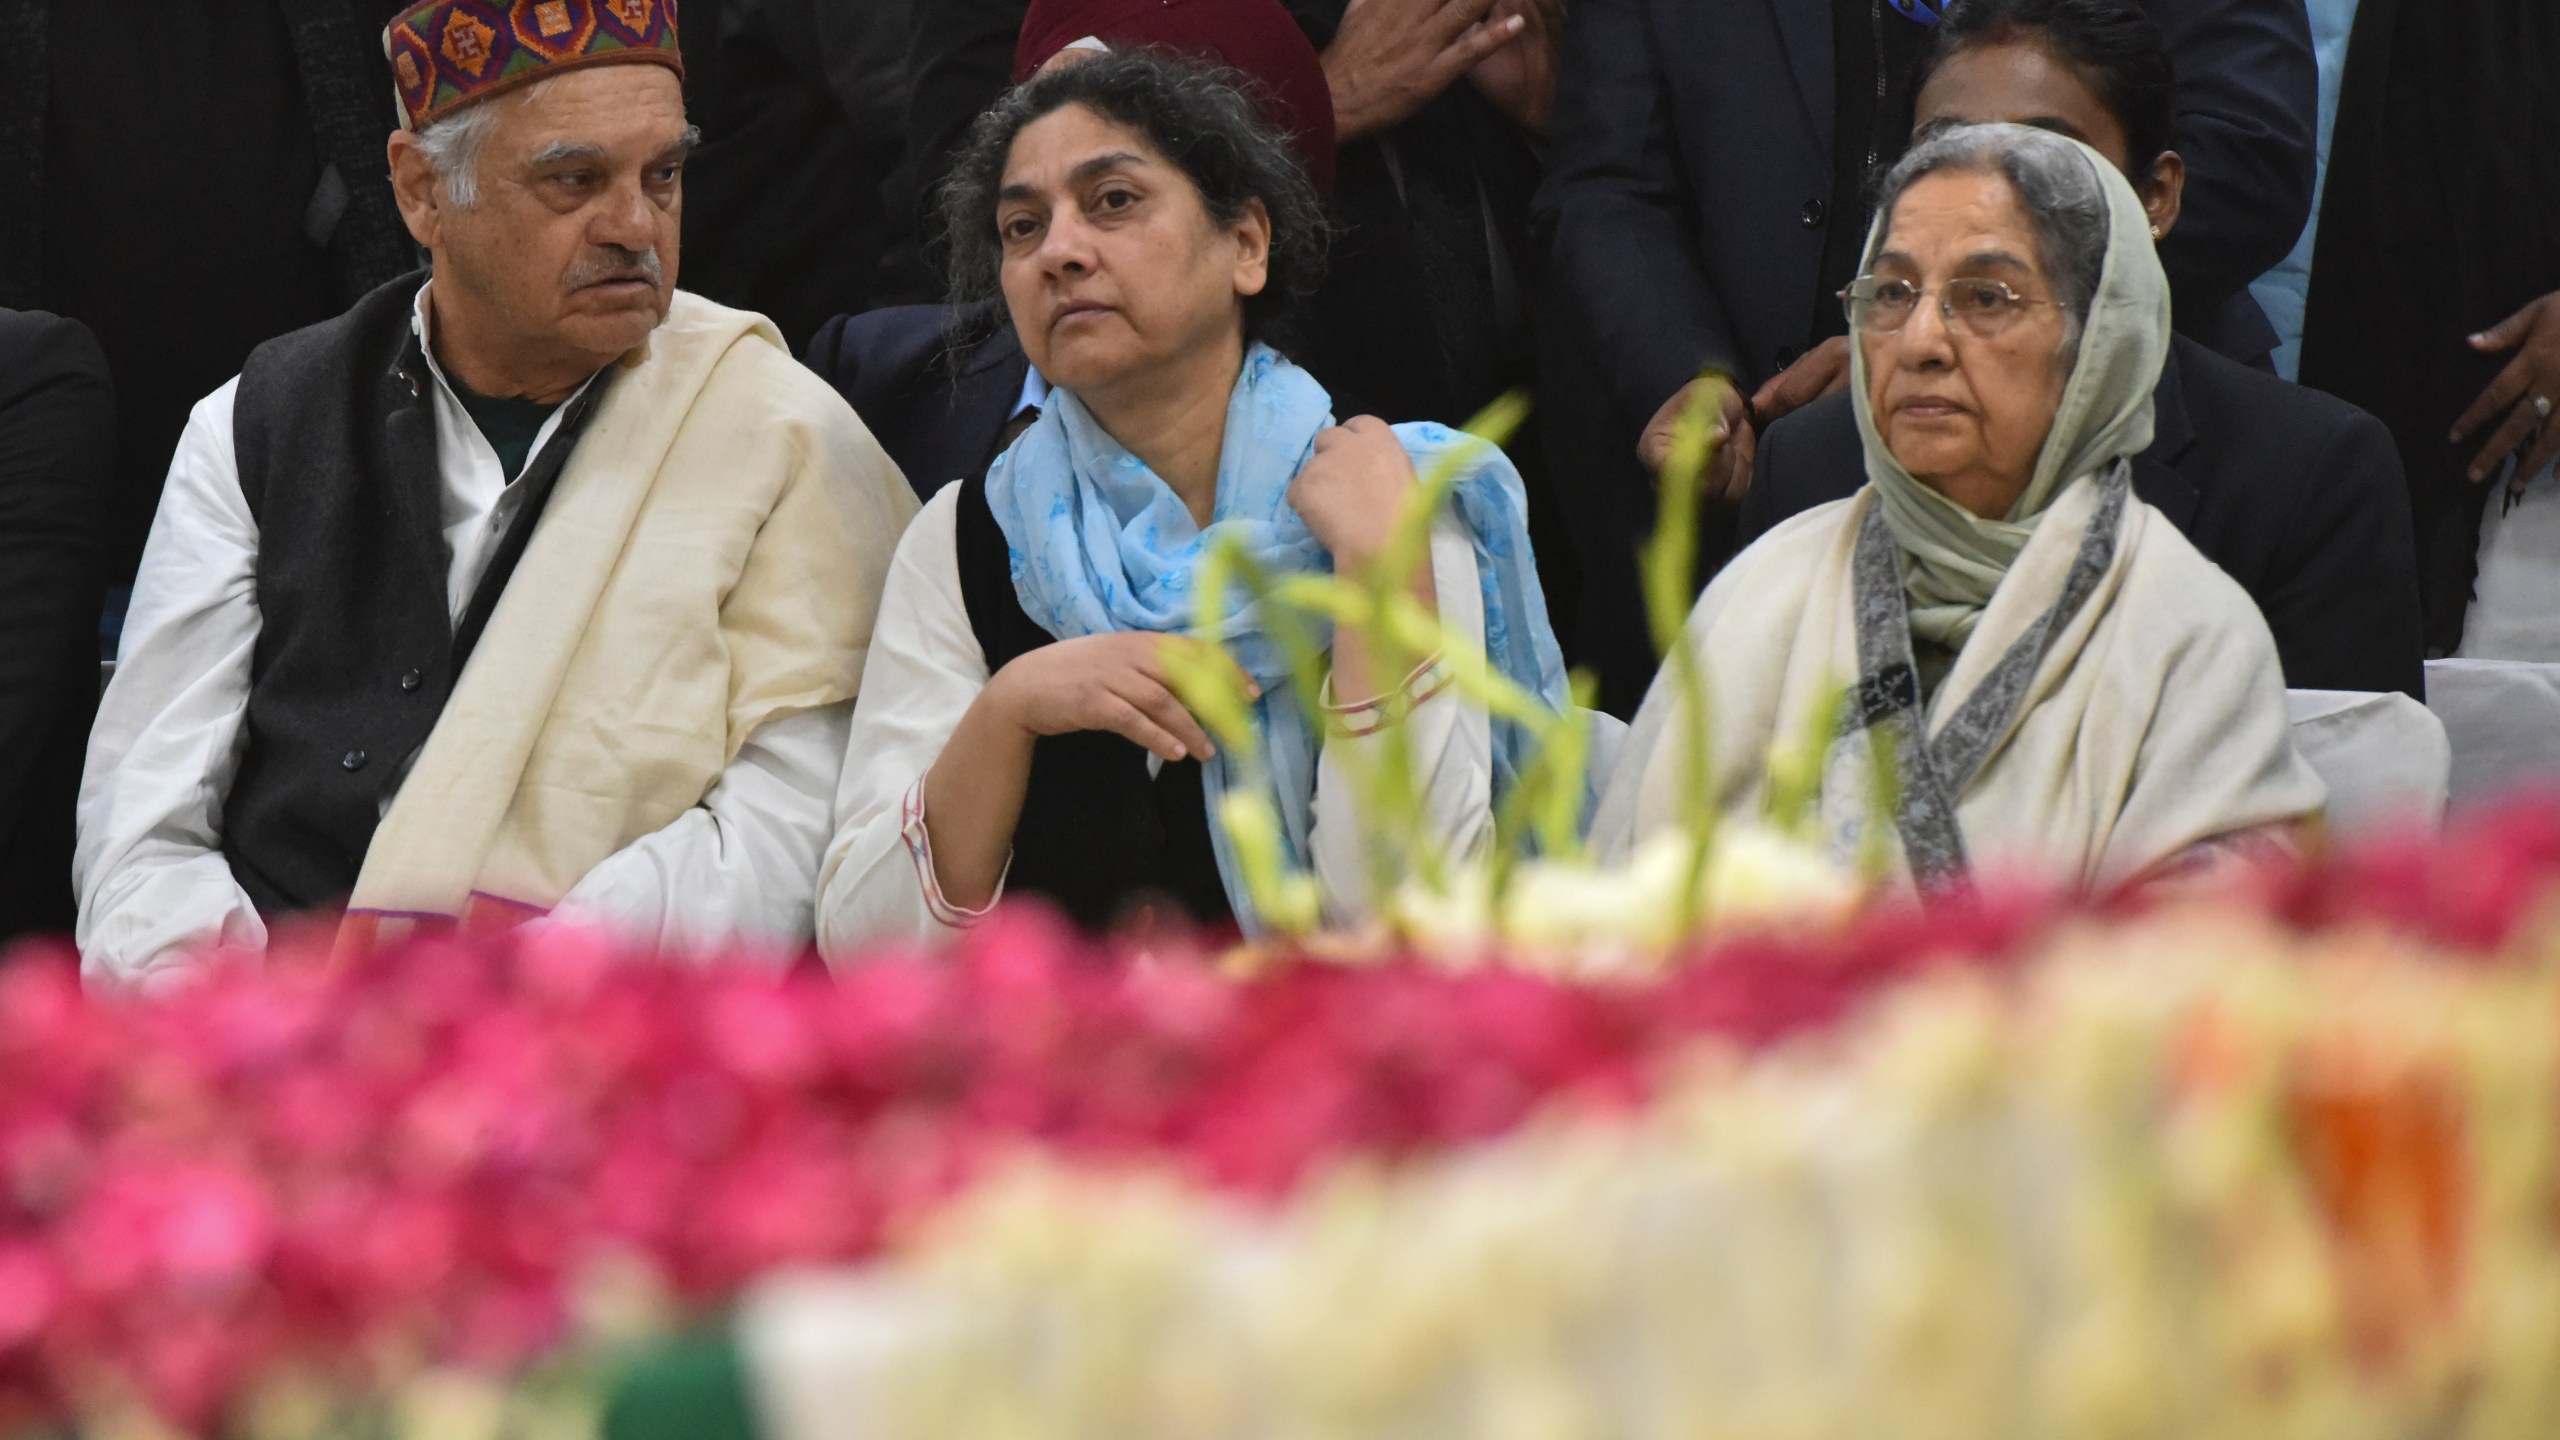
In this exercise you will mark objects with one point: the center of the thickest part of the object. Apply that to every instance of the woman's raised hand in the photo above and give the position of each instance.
(1113, 682)
(1352, 491)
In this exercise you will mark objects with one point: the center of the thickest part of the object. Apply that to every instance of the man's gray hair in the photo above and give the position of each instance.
(2065, 200)
(452, 146)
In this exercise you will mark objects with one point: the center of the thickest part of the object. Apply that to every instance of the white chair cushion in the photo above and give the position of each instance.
(2384, 757)
(2503, 717)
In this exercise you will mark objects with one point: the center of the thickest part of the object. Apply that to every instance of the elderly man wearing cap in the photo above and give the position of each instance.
(533, 584)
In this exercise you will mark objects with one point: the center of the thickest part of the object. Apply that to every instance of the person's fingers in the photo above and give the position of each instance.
(1127, 721)
(1235, 672)
(1470, 49)
(2503, 442)
(2502, 393)
(1160, 705)
(1652, 448)
(1765, 401)
(1454, 18)
(1792, 389)
(2544, 445)
(2507, 333)
(1743, 447)
(1720, 474)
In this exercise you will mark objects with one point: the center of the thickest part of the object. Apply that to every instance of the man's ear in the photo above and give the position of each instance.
(2165, 191)
(1252, 231)
(418, 188)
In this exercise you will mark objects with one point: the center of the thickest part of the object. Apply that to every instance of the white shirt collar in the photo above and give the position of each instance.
(422, 326)
(1035, 391)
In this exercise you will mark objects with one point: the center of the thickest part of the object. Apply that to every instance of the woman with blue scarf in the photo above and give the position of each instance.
(1016, 734)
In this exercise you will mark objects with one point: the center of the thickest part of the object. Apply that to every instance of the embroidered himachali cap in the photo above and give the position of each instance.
(447, 54)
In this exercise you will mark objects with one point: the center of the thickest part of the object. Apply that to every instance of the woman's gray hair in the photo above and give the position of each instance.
(452, 146)
(2065, 200)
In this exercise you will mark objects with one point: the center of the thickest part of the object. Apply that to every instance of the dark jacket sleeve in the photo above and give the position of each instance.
(875, 360)
(2343, 602)
(1612, 217)
(57, 459)
(2248, 108)
(57, 452)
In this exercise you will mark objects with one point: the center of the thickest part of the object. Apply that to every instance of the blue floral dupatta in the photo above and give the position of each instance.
(1100, 543)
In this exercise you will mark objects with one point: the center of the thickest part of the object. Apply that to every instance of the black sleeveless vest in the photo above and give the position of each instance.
(335, 433)
(1097, 836)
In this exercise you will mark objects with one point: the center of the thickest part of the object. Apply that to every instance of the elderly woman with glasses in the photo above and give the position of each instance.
(2034, 665)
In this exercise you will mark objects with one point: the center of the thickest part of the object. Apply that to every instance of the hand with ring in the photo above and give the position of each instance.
(2523, 393)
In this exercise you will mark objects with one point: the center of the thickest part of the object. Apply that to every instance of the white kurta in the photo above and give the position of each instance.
(926, 668)
(149, 869)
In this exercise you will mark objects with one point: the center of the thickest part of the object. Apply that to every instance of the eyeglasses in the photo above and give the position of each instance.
(1983, 308)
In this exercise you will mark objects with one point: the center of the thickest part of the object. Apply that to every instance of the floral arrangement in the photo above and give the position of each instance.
(2190, 1177)
(295, 1194)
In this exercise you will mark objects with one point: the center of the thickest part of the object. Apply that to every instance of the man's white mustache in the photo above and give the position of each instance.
(616, 265)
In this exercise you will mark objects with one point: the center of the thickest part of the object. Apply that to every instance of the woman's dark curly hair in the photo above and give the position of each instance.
(1206, 121)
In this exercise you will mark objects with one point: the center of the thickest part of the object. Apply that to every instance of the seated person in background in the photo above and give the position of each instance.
(57, 462)
(534, 584)
(2296, 495)
(1146, 232)
(2063, 685)
(947, 389)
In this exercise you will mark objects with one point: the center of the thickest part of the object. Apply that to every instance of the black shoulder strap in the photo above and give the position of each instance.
(985, 563)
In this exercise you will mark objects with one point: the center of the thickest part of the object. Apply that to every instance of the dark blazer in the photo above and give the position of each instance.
(1690, 174)
(939, 412)
(2295, 494)
(57, 459)
(799, 103)
(285, 104)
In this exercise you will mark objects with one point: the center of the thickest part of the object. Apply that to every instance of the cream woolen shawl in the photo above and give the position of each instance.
(2143, 720)
(711, 559)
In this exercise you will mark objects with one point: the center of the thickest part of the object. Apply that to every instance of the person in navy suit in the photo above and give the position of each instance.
(2295, 494)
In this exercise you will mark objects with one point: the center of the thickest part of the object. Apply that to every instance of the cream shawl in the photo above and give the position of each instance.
(711, 560)
(2116, 702)
(2154, 721)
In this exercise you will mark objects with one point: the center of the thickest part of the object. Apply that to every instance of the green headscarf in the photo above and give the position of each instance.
(1954, 559)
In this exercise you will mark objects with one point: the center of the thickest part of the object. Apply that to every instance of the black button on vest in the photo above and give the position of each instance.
(411, 680)
(352, 760)
(1814, 210)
